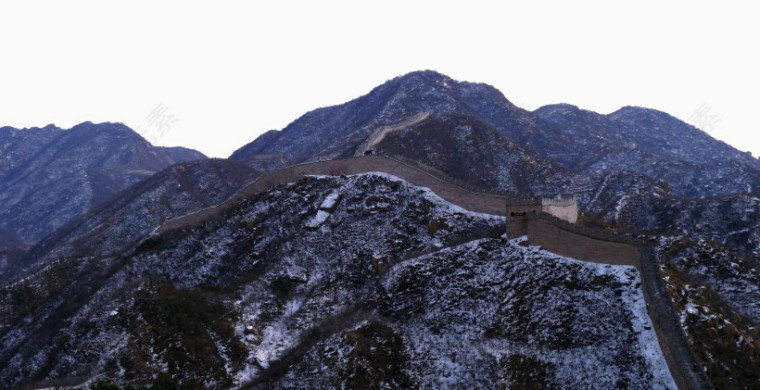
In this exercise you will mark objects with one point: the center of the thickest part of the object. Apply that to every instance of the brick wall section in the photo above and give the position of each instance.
(563, 242)
(517, 227)
(683, 365)
(465, 198)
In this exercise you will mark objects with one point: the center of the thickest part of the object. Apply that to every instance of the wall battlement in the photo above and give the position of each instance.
(519, 211)
(563, 207)
(560, 200)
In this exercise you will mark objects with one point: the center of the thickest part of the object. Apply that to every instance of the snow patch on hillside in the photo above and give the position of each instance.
(433, 197)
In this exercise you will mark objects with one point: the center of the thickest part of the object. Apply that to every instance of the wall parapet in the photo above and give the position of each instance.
(560, 201)
(688, 373)
(592, 232)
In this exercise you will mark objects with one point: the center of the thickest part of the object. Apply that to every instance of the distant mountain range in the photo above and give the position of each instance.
(50, 175)
(91, 290)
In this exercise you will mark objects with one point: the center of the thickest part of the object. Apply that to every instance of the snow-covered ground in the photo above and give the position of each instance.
(405, 289)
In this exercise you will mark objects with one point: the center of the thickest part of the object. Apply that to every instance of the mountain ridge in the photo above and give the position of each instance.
(49, 175)
(300, 252)
(587, 144)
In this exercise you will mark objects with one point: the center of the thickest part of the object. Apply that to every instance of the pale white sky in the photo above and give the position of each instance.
(230, 70)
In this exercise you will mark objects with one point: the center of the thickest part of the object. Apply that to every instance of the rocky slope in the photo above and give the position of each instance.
(48, 176)
(179, 154)
(363, 281)
(473, 151)
(729, 221)
(651, 143)
(118, 224)
(716, 294)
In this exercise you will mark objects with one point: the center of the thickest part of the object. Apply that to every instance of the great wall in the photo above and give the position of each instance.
(523, 219)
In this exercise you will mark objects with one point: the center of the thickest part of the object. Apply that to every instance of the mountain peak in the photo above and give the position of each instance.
(630, 112)
(559, 108)
(343, 127)
(425, 81)
(426, 75)
(109, 126)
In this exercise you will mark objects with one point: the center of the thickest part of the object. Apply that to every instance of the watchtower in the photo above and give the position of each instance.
(518, 211)
(562, 206)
